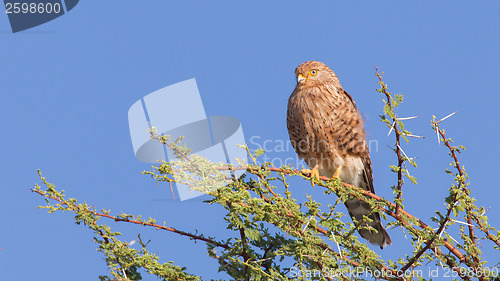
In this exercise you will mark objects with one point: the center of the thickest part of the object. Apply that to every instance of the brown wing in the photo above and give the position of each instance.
(347, 124)
(350, 98)
(368, 174)
(358, 208)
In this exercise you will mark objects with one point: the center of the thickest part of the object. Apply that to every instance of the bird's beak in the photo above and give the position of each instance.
(300, 78)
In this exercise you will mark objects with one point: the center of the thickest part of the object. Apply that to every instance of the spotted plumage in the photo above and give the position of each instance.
(326, 130)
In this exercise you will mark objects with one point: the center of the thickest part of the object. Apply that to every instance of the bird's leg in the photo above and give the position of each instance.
(314, 173)
(336, 175)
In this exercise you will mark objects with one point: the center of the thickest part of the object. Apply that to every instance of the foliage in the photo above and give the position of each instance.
(278, 238)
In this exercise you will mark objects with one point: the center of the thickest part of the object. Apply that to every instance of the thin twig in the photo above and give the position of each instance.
(118, 219)
(398, 148)
(486, 231)
(461, 181)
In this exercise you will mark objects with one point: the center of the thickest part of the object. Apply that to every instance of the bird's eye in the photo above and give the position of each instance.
(313, 72)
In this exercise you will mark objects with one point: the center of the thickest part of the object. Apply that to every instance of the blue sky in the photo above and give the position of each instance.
(67, 86)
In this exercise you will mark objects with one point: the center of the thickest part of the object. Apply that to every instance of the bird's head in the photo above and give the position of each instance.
(314, 73)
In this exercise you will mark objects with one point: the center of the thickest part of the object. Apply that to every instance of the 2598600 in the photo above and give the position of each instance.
(32, 8)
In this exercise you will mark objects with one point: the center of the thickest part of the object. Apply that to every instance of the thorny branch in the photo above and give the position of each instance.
(462, 178)
(145, 223)
(486, 231)
(317, 228)
(461, 181)
(398, 142)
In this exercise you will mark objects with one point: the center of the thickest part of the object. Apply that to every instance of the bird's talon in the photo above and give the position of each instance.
(336, 175)
(314, 173)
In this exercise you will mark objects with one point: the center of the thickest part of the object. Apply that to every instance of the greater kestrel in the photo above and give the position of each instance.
(326, 130)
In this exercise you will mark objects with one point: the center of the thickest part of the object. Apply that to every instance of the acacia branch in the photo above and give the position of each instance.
(462, 179)
(317, 228)
(423, 225)
(118, 219)
(486, 231)
(320, 265)
(430, 241)
(244, 253)
(398, 147)
(320, 182)
(441, 226)
(462, 185)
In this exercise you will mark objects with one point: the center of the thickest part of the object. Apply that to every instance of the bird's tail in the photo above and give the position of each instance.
(357, 209)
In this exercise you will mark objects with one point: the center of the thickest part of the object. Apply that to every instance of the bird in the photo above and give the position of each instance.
(326, 130)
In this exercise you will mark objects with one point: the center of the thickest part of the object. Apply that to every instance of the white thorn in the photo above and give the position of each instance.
(452, 238)
(415, 136)
(457, 221)
(437, 134)
(404, 233)
(392, 127)
(263, 260)
(442, 230)
(308, 221)
(403, 152)
(338, 247)
(406, 168)
(407, 118)
(448, 116)
(486, 211)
